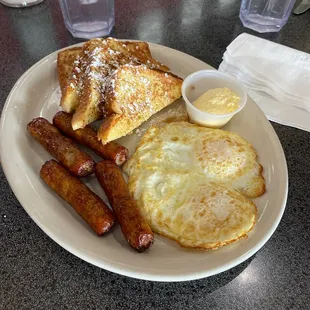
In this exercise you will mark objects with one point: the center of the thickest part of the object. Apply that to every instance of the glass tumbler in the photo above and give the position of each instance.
(265, 15)
(88, 18)
(20, 3)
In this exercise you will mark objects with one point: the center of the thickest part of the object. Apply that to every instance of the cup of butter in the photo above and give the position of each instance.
(212, 98)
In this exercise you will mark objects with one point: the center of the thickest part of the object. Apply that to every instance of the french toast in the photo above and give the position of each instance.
(102, 58)
(132, 95)
(103, 65)
(65, 65)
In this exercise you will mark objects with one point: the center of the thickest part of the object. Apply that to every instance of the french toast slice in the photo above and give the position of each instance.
(70, 94)
(75, 86)
(132, 95)
(65, 65)
(93, 72)
(103, 57)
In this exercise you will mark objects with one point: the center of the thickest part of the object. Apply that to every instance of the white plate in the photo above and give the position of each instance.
(36, 93)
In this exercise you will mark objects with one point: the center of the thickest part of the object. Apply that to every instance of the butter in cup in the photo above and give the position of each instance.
(198, 83)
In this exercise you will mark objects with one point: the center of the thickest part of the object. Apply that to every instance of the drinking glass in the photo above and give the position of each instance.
(88, 18)
(20, 3)
(265, 15)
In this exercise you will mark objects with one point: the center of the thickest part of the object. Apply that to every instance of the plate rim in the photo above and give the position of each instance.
(117, 269)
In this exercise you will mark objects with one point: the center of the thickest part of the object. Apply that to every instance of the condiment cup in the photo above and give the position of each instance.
(201, 81)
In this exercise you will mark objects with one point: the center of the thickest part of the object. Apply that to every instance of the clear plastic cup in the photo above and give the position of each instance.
(265, 15)
(20, 3)
(201, 81)
(88, 18)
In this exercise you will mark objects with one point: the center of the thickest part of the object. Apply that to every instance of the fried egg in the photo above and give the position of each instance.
(190, 184)
(220, 155)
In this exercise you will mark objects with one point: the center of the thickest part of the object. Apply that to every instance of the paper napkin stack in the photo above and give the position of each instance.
(277, 78)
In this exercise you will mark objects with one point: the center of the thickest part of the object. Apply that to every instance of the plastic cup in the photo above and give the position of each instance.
(88, 18)
(20, 3)
(265, 15)
(201, 81)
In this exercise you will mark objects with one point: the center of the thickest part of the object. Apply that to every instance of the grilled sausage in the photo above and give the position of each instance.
(134, 227)
(63, 149)
(85, 202)
(88, 137)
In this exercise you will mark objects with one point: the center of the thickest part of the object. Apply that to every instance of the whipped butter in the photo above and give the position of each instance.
(212, 98)
(218, 101)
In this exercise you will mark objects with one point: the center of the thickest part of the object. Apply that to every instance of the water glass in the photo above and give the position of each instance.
(20, 3)
(265, 15)
(88, 18)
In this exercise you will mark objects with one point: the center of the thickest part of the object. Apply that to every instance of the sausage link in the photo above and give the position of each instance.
(88, 137)
(63, 149)
(134, 227)
(85, 202)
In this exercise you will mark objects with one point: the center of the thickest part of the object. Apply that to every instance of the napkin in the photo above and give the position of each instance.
(277, 78)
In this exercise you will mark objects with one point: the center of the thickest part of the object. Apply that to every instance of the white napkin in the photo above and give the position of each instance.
(277, 78)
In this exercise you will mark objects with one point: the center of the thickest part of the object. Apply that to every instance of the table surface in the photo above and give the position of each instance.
(36, 273)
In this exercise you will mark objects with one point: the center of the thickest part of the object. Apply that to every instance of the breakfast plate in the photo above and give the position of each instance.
(37, 93)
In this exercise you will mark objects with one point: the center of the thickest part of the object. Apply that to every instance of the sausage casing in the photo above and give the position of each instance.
(134, 227)
(63, 149)
(88, 137)
(85, 202)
